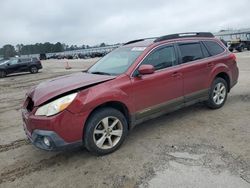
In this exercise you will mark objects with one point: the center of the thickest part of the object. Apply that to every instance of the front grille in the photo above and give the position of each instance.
(30, 105)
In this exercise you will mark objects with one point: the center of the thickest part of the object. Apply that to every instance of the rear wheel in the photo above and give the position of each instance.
(217, 94)
(105, 131)
(2, 74)
(240, 49)
(33, 69)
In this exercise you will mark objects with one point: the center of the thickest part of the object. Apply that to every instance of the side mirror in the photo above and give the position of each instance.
(146, 69)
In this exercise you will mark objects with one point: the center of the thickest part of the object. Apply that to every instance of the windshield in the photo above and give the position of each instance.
(117, 61)
(3, 62)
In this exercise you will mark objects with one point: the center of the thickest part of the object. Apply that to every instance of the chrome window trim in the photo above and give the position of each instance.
(179, 64)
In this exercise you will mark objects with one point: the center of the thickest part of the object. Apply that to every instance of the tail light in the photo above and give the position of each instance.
(232, 56)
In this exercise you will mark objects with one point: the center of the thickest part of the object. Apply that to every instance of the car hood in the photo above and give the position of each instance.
(60, 85)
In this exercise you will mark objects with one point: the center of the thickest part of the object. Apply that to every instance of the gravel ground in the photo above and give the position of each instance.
(193, 147)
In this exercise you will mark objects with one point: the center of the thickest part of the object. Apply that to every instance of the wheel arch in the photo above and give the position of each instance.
(222, 71)
(118, 105)
(32, 65)
(226, 77)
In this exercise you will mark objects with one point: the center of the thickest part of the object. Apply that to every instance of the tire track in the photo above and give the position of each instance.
(240, 97)
(12, 107)
(14, 145)
(26, 168)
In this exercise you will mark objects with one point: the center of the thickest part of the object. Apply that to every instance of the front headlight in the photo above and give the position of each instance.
(55, 106)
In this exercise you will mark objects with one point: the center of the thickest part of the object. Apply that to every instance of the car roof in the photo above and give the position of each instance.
(167, 38)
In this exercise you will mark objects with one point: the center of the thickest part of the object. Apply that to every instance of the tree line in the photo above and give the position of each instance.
(9, 50)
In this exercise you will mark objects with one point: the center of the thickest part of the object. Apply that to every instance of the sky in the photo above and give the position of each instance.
(92, 22)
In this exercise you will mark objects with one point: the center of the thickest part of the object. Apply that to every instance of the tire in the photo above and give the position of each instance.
(100, 138)
(218, 88)
(2, 74)
(33, 69)
(240, 49)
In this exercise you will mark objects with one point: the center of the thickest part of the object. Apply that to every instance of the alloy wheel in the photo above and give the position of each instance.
(108, 132)
(33, 69)
(219, 93)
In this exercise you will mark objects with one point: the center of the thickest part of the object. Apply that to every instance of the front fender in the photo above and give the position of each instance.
(88, 100)
(112, 95)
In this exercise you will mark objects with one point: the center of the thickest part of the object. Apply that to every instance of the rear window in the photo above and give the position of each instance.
(190, 51)
(204, 50)
(213, 47)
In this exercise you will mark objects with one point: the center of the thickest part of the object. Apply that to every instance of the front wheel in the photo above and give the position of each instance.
(217, 94)
(2, 74)
(105, 131)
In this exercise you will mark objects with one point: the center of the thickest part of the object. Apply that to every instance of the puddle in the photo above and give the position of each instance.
(180, 175)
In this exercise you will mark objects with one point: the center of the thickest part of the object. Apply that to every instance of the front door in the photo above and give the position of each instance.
(161, 90)
(13, 66)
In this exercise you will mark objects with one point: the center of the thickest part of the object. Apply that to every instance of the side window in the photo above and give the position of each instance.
(13, 61)
(34, 59)
(213, 47)
(161, 58)
(204, 50)
(25, 60)
(190, 51)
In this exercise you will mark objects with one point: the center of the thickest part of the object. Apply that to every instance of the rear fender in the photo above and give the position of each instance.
(217, 69)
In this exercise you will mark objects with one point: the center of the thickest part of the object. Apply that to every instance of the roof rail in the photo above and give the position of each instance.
(133, 41)
(137, 40)
(184, 35)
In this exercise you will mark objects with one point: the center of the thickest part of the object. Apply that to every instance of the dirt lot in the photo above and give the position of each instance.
(193, 147)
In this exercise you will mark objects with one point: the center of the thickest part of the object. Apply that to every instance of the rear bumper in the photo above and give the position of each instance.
(235, 77)
(55, 141)
(39, 66)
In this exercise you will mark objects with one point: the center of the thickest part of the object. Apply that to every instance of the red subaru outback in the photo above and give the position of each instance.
(141, 80)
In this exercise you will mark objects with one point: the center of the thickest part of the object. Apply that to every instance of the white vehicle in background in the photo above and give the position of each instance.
(235, 39)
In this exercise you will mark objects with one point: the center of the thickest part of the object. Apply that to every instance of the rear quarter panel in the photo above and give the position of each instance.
(222, 64)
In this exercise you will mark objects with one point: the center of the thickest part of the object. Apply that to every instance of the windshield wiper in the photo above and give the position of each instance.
(99, 72)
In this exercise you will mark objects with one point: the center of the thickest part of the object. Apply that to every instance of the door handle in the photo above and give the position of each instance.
(210, 64)
(176, 74)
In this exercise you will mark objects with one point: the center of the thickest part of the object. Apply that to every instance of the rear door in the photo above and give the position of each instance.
(162, 90)
(195, 68)
(24, 64)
